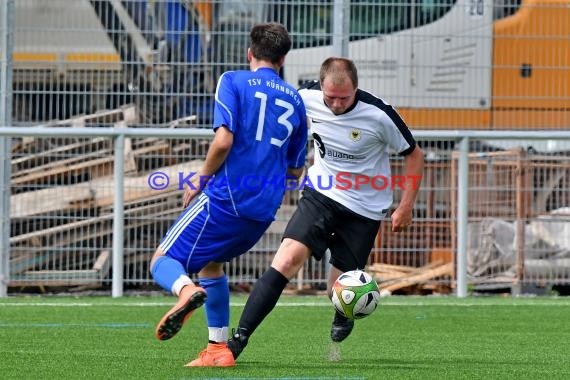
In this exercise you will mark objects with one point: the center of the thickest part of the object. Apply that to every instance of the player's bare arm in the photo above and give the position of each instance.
(295, 172)
(413, 169)
(217, 154)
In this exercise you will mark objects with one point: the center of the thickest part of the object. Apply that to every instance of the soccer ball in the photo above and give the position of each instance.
(355, 294)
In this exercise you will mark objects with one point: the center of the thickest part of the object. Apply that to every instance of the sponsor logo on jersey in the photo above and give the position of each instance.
(319, 144)
(341, 156)
(335, 155)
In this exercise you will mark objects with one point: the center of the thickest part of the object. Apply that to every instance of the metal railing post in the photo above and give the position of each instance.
(7, 49)
(341, 26)
(118, 214)
(462, 216)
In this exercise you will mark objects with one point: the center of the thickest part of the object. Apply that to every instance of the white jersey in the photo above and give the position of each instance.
(352, 163)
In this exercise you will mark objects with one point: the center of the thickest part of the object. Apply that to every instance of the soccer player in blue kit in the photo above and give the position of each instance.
(260, 134)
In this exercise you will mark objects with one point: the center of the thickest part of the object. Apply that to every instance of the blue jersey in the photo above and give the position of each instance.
(268, 120)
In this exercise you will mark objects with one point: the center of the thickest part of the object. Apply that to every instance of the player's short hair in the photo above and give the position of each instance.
(269, 41)
(338, 69)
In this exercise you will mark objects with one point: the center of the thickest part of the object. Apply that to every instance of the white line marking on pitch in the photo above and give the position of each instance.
(562, 303)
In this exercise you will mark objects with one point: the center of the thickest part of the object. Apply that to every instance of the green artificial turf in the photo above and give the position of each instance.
(406, 338)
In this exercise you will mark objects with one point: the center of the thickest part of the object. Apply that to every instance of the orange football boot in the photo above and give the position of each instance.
(215, 355)
(191, 297)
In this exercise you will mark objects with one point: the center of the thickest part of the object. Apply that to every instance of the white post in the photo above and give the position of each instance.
(118, 217)
(462, 216)
(341, 26)
(7, 49)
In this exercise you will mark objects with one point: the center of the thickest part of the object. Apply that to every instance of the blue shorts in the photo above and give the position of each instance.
(205, 232)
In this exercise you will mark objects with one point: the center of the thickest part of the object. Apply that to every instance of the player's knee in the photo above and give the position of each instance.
(212, 270)
(158, 253)
(287, 268)
(290, 257)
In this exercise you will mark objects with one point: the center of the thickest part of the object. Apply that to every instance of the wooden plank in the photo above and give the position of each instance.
(97, 192)
(86, 229)
(387, 274)
(31, 169)
(32, 159)
(47, 200)
(139, 142)
(125, 113)
(383, 277)
(20, 263)
(102, 264)
(183, 121)
(59, 164)
(483, 155)
(442, 270)
(168, 199)
(158, 148)
(95, 168)
(19, 239)
(133, 184)
(380, 267)
(67, 277)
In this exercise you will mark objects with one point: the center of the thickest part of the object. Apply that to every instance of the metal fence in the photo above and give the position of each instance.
(89, 206)
(131, 65)
(446, 64)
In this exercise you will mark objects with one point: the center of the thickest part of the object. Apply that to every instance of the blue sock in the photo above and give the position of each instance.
(217, 305)
(166, 271)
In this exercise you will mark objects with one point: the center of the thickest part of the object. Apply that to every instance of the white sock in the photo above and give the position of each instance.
(180, 283)
(218, 334)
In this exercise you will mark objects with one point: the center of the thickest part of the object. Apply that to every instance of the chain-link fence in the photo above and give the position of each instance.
(475, 64)
(63, 203)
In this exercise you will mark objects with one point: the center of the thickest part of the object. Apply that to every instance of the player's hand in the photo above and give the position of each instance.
(401, 219)
(189, 195)
(198, 184)
(191, 192)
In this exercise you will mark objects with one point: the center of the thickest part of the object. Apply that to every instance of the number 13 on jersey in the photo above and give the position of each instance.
(282, 120)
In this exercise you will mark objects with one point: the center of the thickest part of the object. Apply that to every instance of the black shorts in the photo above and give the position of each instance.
(320, 223)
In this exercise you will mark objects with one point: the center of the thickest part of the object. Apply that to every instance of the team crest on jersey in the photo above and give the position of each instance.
(355, 134)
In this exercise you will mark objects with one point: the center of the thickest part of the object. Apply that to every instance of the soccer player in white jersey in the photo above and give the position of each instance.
(353, 132)
(260, 134)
